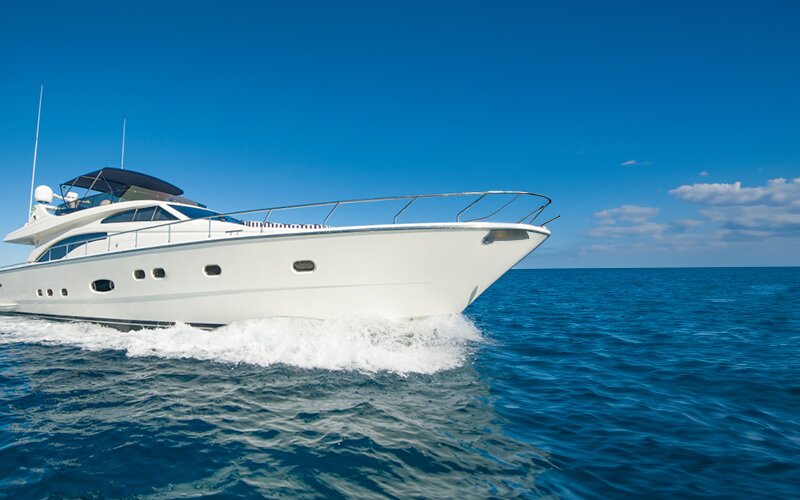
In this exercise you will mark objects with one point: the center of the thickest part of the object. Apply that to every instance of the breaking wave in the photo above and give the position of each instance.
(367, 344)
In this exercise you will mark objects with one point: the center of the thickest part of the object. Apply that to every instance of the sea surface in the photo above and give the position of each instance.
(657, 383)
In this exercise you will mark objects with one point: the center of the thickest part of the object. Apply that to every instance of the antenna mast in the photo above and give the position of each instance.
(122, 160)
(36, 147)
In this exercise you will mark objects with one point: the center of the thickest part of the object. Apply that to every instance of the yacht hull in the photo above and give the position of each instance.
(391, 271)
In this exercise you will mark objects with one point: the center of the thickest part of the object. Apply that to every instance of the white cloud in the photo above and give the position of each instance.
(687, 223)
(627, 220)
(704, 173)
(732, 220)
(627, 213)
(748, 212)
(651, 229)
(755, 216)
(778, 191)
(633, 163)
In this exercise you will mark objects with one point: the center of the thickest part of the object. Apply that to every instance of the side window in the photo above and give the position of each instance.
(120, 217)
(144, 214)
(200, 213)
(162, 214)
(60, 249)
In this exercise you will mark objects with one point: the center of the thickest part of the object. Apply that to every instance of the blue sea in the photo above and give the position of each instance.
(657, 383)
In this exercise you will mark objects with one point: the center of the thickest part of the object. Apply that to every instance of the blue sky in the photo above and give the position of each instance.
(607, 107)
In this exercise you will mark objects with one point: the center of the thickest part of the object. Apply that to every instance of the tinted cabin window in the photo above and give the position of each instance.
(162, 214)
(139, 274)
(200, 213)
(159, 273)
(120, 217)
(144, 214)
(61, 248)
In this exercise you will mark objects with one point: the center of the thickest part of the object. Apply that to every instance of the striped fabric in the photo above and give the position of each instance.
(256, 223)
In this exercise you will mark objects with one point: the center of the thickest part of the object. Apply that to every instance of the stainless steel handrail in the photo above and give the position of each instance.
(509, 202)
(481, 195)
(458, 215)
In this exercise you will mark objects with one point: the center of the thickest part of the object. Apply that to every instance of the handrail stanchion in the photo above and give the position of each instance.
(325, 222)
(108, 239)
(496, 211)
(394, 220)
(209, 227)
(458, 216)
(136, 239)
(169, 233)
(538, 213)
(266, 218)
(535, 214)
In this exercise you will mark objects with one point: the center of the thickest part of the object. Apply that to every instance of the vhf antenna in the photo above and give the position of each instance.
(36, 148)
(122, 160)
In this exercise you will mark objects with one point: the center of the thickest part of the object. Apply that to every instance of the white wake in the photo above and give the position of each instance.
(366, 344)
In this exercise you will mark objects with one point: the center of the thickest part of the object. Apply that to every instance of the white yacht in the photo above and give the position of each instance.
(131, 251)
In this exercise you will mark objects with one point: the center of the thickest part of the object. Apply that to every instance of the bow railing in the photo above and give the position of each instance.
(141, 237)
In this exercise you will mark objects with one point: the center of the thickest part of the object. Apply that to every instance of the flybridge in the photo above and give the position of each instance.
(117, 180)
(112, 185)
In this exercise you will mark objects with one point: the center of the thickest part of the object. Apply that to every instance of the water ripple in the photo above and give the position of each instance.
(590, 384)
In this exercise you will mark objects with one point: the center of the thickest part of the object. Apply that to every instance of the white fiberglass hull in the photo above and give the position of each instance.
(399, 271)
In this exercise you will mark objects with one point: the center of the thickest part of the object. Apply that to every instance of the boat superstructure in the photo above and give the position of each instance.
(133, 251)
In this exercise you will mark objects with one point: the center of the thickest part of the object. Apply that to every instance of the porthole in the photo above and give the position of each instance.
(39, 292)
(102, 286)
(212, 270)
(139, 274)
(304, 266)
(64, 292)
(159, 273)
(49, 292)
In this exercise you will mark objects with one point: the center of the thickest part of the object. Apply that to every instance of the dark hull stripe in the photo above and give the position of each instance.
(120, 324)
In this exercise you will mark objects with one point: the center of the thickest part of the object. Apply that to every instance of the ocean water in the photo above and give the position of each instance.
(555, 383)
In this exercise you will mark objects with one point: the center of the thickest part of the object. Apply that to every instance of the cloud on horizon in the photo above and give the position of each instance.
(776, 191)
(628, 221)
(742, 212)
(627, 213)
(730, 213)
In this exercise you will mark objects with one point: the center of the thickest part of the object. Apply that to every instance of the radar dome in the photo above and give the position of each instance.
(43, 194)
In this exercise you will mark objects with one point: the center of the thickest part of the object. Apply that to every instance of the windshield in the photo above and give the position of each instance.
(201, 213)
